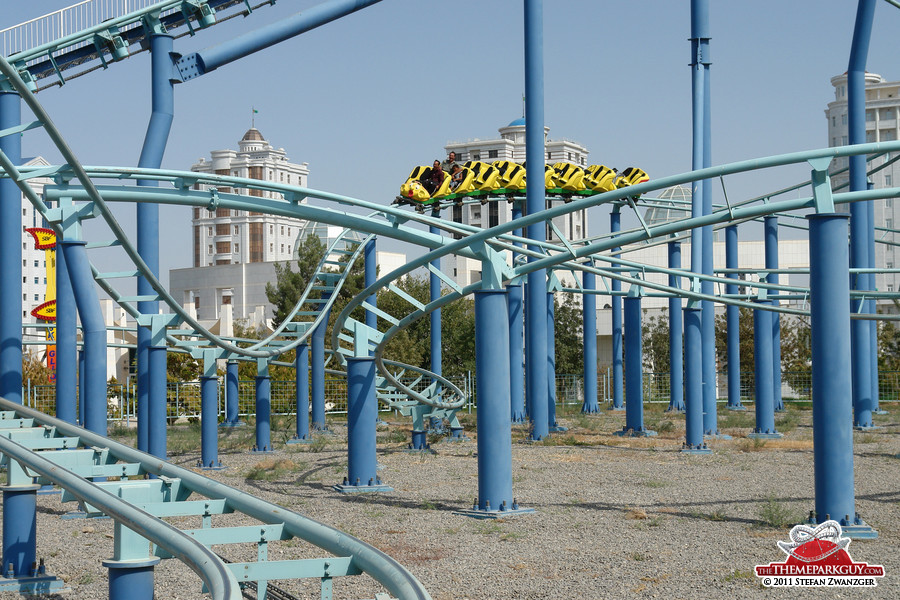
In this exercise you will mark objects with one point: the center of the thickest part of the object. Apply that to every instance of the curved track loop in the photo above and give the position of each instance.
(53, 451)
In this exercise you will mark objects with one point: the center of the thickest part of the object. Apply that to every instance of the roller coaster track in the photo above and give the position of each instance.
(40, 449)
(91, 34)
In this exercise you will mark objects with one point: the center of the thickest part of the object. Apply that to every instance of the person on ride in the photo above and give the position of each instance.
(433, 180)
(456, 176)
(447, 165)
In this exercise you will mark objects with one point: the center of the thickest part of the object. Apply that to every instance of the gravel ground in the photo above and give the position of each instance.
(615, 517)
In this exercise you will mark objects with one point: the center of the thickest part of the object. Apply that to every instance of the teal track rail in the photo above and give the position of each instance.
(40, 448)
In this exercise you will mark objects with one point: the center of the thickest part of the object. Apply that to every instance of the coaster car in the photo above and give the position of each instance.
(486, 175)
(511, 176)
(466, 182)
(414, 191)
(569, 177)
(600, 178)
(632, 176)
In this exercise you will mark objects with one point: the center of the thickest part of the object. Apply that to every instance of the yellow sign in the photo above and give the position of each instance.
(44, 239)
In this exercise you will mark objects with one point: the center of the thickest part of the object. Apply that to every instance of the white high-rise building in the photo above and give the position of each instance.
(227, 237)
(510, 146)
(882, 125)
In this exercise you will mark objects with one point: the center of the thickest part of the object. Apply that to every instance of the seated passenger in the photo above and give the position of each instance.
(447, 165)
(456, 176)
(433, 180)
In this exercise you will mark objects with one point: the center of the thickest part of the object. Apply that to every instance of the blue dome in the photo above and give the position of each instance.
(519, 121)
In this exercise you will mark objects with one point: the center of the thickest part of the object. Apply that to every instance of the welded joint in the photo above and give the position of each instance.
(823, 199)
(553, 282)
(112, 40)
(494, 268)
(199, 9)
(213, 200)
(262, 366)
(7, 86)
(190, 66)
(158, 325)
(152, 24)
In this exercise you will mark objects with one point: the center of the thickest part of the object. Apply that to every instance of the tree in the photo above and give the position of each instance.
(568, 324)
(655, 343)
(34, 368)
(745, 335)
(796, 352)
(289, 284)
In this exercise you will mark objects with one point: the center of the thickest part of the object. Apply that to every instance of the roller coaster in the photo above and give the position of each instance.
(136, 487)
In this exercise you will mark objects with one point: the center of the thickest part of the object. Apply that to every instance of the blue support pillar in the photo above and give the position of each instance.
(10, 257)
(873, 309)
(231, 395)
(831, 381)
(634, 369)
(516, 356)
(93, 332)
(157, 409)
(552, 425)
(514, 301)
(536, 385)
(771, 250)
(19, 529)
(618, 390)
(733, 323)
(263, 408)
(495, 494)
(301, 366)
(66, 344)
(434, 293)
(209, 413)
(81, 387)
(676, 357)
(317, 371)
(860, 226)
(131, 579)
(763, 367)
(151, 379)
(693, 381)
(589, 326)
(362, 411)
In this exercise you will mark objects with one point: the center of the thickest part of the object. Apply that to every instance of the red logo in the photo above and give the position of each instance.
(818, 557)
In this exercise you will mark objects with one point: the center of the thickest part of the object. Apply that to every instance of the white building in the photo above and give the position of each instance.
(509, 146)
(882, 125)
(235, 251)
(227, 237)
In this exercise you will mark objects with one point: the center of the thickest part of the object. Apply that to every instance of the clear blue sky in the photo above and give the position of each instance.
(364, 99)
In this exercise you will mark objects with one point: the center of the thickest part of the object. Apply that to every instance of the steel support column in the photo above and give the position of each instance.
(552, 425)
(733, 323)
(676, 357)
(831, 381)
(66, 343)
(860, 227)
(151, 390)
(589, 326)
(131, 579)
(10, 256)
(693, 381)
(771, 250)
(231, 395)
(535, 201)
(618, 389)
(19, 529)
(514, 302)
(301, 366)
(209, 422)
(763, 368)
(362, 411)
(317, 372)
(93, 335)
(634, 369)
(263, 408)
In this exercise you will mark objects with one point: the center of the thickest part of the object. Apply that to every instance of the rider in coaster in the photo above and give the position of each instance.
(433, 180)
(447, 165)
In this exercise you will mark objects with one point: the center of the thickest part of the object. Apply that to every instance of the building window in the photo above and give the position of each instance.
(282, 248)
(289, 248)
(492, 154)
(549, 156)
(888, 181)
(272, 229)
(237, 248)
(476, 156)
(222, 229)
(870, 115)
(35, 297)
(271, 247)
(833, 121)
(35, 280)
(223, 247)
(870, 137)
(209, 249)
(36, 263)
(282, 230)
(844, 119)
(887, 135)
(887, 113)
(226, 300)
(209, 231)
(237, 230)
(889, 223)
(223, 212)
(890, 287)
(196, 302)
(570, 156)
(844, 140)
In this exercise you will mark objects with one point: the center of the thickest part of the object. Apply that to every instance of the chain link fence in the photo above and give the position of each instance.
(184, 397)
